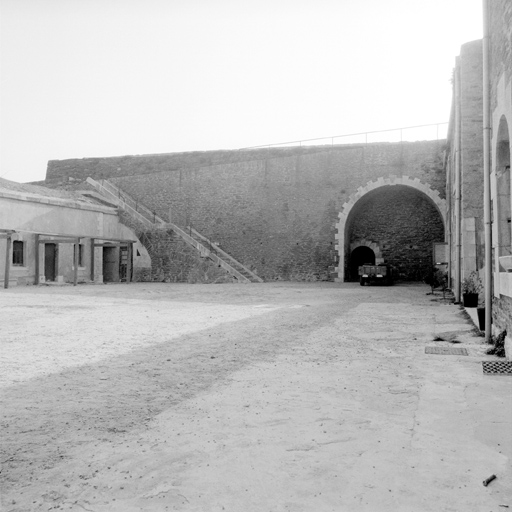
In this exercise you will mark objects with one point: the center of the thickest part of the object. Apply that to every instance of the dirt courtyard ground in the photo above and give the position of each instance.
(247, 398)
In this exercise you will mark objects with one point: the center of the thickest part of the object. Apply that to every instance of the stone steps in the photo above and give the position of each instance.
(193, 238)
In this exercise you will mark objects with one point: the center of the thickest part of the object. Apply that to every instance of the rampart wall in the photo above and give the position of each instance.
(273, 210)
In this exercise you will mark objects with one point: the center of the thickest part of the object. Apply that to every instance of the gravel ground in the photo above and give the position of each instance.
(265, 397)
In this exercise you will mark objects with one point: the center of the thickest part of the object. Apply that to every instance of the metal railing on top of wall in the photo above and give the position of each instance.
(401, 136)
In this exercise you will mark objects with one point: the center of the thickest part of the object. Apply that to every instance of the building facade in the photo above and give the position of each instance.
(464, 163)
(49, 236)
(464, 168)
(500, 88)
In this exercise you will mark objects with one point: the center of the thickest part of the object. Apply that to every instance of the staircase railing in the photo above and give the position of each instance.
(123, 200)
(128, 200)
(225, 254)
(207, 253)
(120, 201)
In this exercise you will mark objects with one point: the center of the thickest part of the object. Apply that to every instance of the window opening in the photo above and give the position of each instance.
(18, 253)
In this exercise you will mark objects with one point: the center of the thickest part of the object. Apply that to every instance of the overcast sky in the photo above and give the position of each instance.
(88, 78)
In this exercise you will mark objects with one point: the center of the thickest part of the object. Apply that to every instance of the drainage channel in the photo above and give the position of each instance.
(446, 351)
(497, 367)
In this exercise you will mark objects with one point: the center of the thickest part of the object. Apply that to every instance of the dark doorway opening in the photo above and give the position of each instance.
(359, 256)
(110, 264)
(123, 264)
(50, 262)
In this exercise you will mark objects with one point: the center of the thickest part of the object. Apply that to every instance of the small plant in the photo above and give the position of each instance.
(499, 345)
(436, 278)
(472, 283)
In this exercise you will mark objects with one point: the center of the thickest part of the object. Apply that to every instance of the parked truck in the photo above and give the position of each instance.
(380, 274)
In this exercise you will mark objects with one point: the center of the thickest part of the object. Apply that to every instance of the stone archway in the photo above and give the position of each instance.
(361, 255)
(341, 239)
(503, 233)
(367, 243)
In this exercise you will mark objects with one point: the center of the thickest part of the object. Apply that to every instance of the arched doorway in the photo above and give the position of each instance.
(359, 256)
(503, 188)
(402, 216)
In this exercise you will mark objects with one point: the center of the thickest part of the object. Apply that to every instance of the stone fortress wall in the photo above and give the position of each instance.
(276, 209)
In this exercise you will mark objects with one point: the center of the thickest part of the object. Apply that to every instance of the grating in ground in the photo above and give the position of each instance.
(446, 351)
(497, 367)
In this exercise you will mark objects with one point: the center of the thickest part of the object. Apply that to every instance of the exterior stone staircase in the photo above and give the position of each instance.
(142, 214)
(236, 265)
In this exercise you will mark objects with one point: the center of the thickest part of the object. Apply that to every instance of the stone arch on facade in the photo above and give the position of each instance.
(503, 189)
(368, 243)
(340, 236)
(356, 246)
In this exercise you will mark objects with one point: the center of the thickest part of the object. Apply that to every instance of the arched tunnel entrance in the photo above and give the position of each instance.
(359, 256)
(401, 220)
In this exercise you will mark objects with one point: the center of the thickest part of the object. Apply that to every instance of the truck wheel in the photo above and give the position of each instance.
(361, 281)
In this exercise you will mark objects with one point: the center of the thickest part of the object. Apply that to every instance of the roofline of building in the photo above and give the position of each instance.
(55, 201)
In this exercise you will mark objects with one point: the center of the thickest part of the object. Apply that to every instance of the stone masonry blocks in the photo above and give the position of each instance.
(277, 211)
(405, 180)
